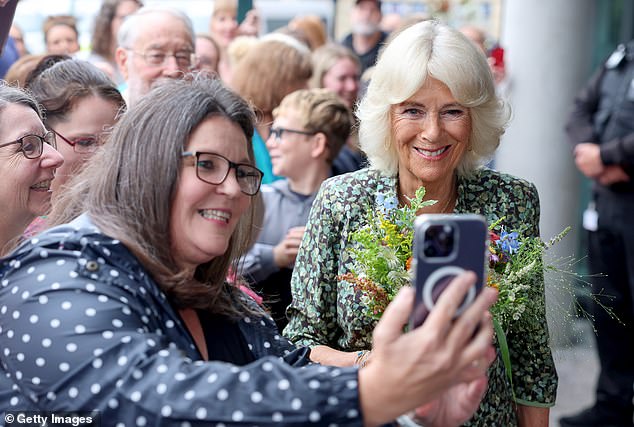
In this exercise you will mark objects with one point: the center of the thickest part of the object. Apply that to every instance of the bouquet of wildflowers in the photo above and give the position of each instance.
(383, 252)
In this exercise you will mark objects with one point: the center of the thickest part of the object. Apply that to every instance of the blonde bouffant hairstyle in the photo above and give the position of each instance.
(431, 49)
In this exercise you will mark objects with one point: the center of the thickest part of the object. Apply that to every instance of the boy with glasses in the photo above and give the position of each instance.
(309, 129)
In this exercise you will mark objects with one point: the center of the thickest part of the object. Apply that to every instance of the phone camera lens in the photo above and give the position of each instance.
(439, 241)
(429, 249)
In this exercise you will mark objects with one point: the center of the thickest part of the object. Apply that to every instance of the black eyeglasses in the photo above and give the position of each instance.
(82, 145)
(213, 169)
(184, 59)
(32, 146)
(278, 132)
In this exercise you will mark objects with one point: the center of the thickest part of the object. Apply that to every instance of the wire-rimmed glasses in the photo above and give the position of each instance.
(81, 145)
(184, 59)
(213, 168)
(32, 146)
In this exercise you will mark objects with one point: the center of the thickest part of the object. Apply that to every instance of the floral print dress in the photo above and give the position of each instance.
(326, 310)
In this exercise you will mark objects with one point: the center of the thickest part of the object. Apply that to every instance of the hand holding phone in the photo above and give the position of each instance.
(444, 247)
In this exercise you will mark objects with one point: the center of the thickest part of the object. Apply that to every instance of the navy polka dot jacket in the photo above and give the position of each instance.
(83, 327)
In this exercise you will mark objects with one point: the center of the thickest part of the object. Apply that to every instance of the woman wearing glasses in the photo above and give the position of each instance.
(81, 105)
(28, 160)
(127, 312)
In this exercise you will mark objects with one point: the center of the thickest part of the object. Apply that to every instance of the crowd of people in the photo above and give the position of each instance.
(178, 217)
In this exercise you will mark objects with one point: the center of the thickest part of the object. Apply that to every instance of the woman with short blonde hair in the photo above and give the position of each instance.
(430, 118)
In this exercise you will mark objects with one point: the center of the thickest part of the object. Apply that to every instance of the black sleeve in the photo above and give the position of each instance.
(579, 127)
(619, 151)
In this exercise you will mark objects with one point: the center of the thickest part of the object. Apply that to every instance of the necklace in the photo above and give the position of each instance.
(449, 202)
(447, 207)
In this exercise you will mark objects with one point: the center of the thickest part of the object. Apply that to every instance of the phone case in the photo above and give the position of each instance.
(437, 259)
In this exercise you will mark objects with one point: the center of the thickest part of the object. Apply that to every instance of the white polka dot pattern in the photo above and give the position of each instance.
(82, 326)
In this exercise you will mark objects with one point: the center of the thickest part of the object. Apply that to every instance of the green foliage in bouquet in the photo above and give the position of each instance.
(516, 270)
(383, 251)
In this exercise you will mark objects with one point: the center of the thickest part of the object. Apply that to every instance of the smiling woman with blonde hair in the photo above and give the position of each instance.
(430, 118)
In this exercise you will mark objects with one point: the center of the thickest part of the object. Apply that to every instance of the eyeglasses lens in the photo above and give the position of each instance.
(214, 169)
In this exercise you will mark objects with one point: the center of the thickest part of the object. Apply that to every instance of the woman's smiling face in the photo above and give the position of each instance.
(204, 216)
(26, 183)
(431, 131)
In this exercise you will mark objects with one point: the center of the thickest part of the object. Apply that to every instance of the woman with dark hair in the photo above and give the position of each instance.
(104, 36)
(28, 160)
(81, 105)
(129, 314)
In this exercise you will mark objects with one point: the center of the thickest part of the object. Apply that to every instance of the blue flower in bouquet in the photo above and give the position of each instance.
(509, 242)
(386, 204)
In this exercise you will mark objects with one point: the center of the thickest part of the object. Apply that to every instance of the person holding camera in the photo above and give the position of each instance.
(436, 128)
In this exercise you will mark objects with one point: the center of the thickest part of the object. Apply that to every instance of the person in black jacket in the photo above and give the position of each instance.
(601, 130)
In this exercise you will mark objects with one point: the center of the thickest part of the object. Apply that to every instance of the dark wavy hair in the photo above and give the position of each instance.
(58, 82)
(128, 189)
